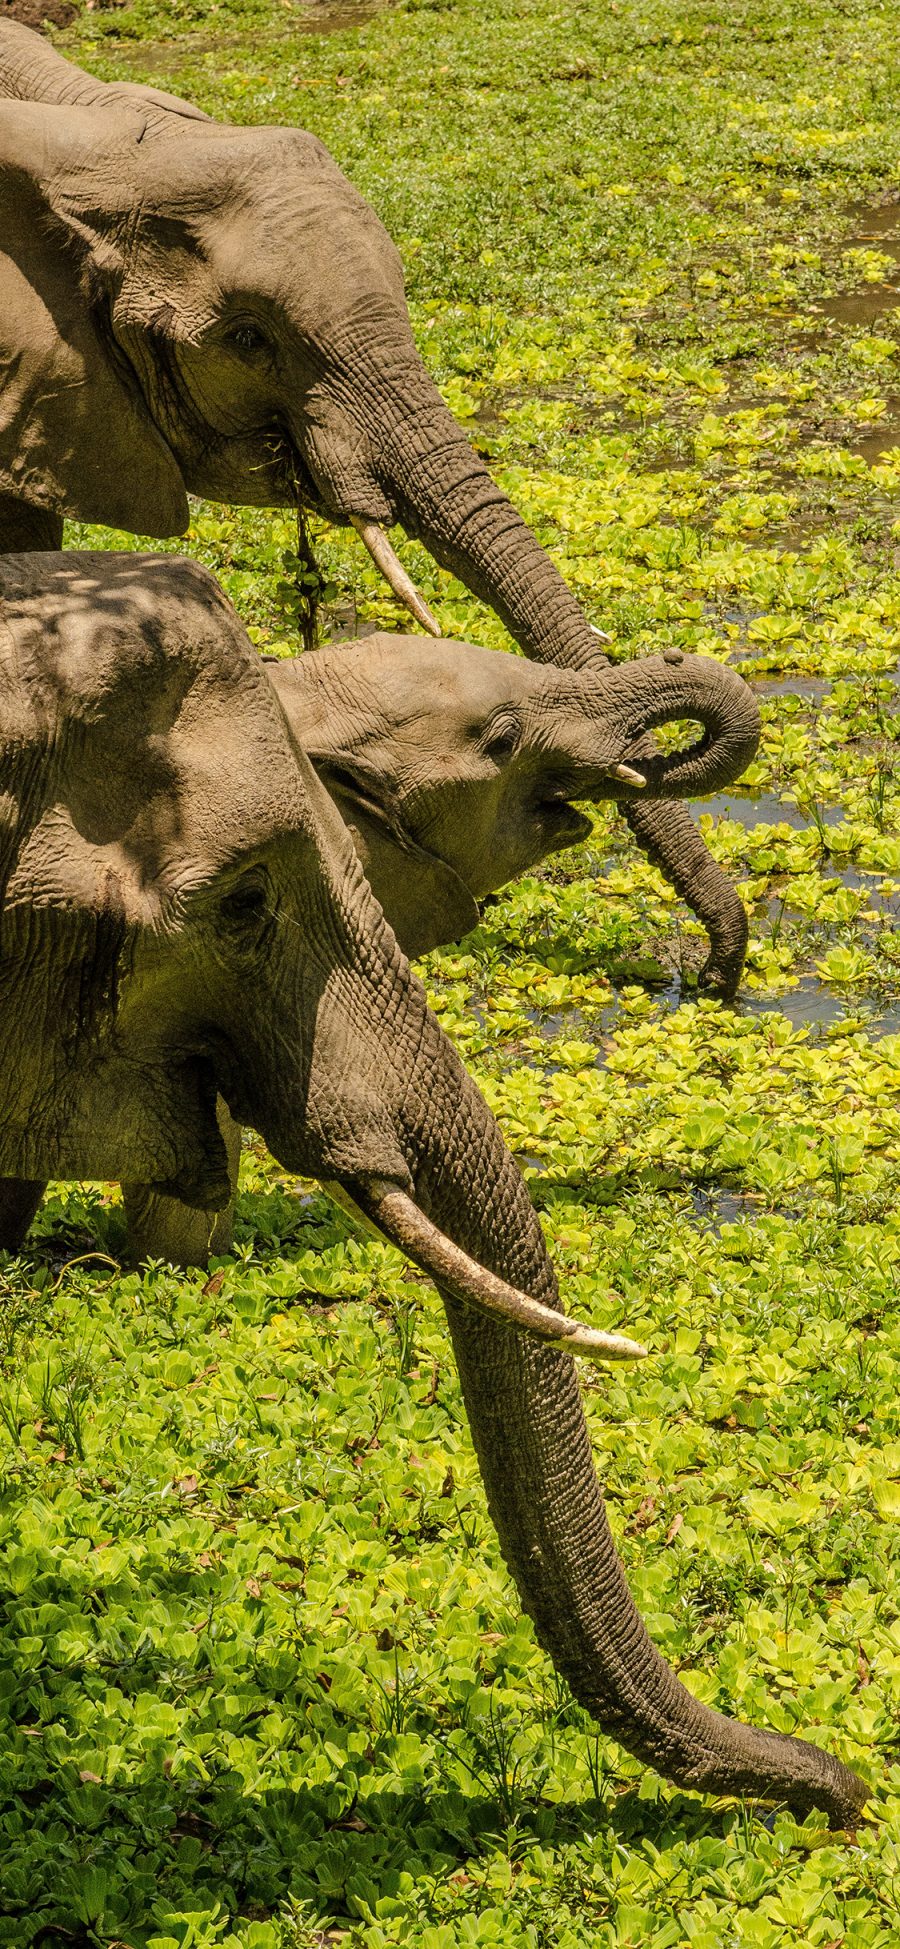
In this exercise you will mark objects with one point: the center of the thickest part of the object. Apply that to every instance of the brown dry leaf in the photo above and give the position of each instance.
(90, 1779)
(673, 1528)
(254, 1587)
(185, 1485)
(215, 1282)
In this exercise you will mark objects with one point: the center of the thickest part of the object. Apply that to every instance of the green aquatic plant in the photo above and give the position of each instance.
(265, 1682)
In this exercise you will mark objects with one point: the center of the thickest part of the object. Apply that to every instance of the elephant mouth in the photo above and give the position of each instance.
(557, 817)
(199, 1176)
(300, 488)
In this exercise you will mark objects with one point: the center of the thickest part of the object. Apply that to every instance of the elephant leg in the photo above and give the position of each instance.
(669, 837)
(23, 529)
(164, 1228)
(19, 1200)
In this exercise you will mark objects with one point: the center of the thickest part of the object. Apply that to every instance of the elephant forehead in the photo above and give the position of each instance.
(303, 242)
(415, 675)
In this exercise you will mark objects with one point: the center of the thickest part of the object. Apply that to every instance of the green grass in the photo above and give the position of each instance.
(264, 1679)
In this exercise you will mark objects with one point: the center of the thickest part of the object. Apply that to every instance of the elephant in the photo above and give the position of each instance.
(187, 306)
(456, 769)
(182, 914)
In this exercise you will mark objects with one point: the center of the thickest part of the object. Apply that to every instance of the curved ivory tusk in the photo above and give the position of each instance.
(628, 775)
(397, 1218)
(375, 540)
(603, 634)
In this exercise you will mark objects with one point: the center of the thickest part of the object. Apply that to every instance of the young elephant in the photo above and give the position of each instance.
(455, 769)
(183, 913)
(187, 306)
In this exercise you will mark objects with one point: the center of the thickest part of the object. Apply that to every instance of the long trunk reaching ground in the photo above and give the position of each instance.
(524, 1407)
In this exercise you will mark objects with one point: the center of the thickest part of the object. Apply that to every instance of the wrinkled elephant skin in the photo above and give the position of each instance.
(188, 306)
(182, 912)
(458, 768)
(453, 794)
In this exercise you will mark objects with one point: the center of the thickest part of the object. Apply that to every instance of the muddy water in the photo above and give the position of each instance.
(813, 687)
(765, 810)
(860, 308)
(716, 1205)
(876, 227)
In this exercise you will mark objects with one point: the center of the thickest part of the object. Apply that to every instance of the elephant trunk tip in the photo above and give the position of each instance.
(397, 1217)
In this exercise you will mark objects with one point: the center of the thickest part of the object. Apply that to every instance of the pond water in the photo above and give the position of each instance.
(765, 810)
(813, 687)
(873, 224)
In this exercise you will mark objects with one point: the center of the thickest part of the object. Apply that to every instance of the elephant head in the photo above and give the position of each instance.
(457, 768)
(187, 306)
(183, 911)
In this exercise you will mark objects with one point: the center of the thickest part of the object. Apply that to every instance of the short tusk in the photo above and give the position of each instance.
(375, 540)
(603, 634)
(397, 1218)
(628, 775)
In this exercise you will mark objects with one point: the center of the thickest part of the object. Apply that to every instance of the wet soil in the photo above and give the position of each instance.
(312, 17)
(38, 13)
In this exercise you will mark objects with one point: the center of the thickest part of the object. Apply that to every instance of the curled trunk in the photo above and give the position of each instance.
(639, 697)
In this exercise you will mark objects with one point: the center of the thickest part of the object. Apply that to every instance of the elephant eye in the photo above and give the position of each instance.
(501, 739)
(247, 906)
(248, 339)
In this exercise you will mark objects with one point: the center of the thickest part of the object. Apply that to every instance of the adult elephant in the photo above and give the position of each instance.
(182, 911)
(187, 306)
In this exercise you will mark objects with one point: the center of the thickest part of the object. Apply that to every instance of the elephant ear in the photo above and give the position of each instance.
(76, 437)
(424, 899)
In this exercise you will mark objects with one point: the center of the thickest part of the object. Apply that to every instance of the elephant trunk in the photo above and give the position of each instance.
(445, 497)
(524, 1407)
(638, 697)
(443, 494)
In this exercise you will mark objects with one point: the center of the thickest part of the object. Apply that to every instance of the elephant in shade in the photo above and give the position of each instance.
(183, 915)
(191, 307)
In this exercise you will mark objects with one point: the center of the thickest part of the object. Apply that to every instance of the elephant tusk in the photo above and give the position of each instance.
(603, 634)
(397, 1217)
(628, 775)
(375, 540)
